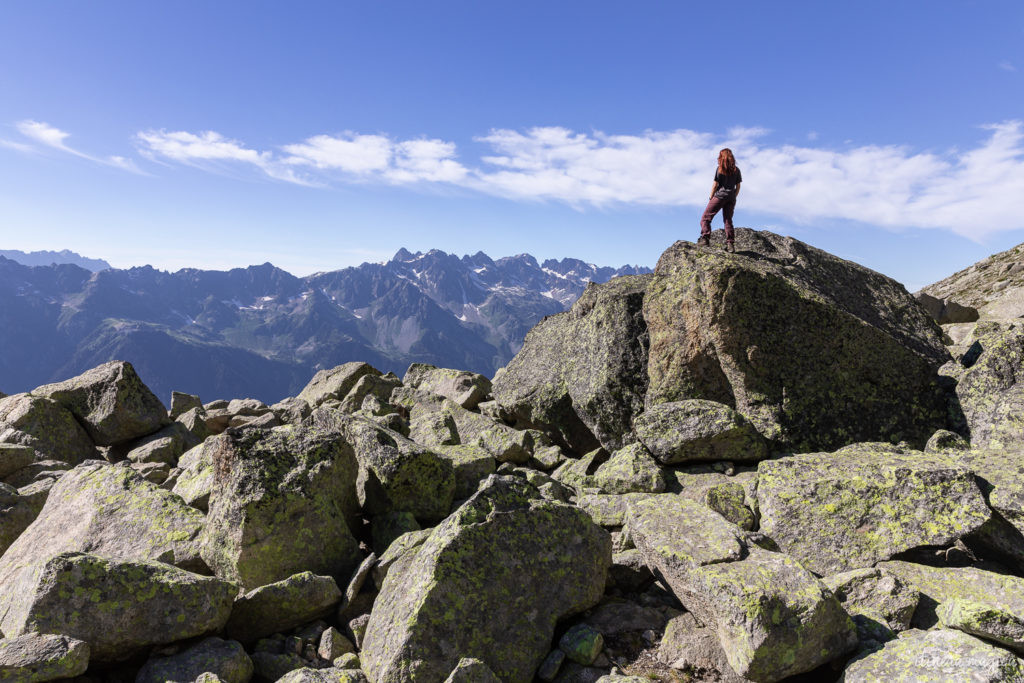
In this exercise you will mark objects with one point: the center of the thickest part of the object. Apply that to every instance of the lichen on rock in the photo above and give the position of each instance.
(490, 583)
(866, 503)
(117, 607)
(281, 504)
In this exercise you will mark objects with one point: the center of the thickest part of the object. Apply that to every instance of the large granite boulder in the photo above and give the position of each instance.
(395, 473)
(117, 607)
(489, 583)
(107, 511)
(42, 657)
(335, 383)
(282, 605)
(45, 426)
(226, 659)
(471, 465)
(581, 375)
(465, 388)
(194, 480)
(816, 351)
(942, 655)
(866, 503)
(1000, 474)
(281, 503)
(435, 420)
(880, 603)
(772, 617)
(111, 402)
(694, 430)
(979, 602)
(991, 389)
(630, 470)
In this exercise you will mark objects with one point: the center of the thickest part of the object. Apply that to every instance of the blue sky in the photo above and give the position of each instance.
(320, 135)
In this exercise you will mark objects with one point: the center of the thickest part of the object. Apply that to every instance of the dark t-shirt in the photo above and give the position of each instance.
(727, 183)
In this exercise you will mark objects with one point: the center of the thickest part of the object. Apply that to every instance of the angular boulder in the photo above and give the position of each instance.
(117, 607)
(46, 426)
(880, 603)
(979, 602)
(471, 464)
(1000, 474)
(816, 351)
(283, 605)
(225, 659)
(471, 671)
(688, 645)
(866, 503)
(194, 482)
(42, 657)
(372, 387)
(465, 388)
(441, 421)
(581, 375)
(772, 617)
(181, 403)
(395, 474)
(335, 383)
(489, 583)
(111, 402)
(991, 388)
(281, 503)
(108, 511)
(332, 675)
(630, 470)
(943, 655)
(694, 430)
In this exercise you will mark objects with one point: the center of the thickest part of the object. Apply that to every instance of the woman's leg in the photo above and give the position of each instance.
(705, 221)
(727, 210)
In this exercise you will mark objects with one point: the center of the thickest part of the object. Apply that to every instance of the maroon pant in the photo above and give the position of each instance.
(727, 205)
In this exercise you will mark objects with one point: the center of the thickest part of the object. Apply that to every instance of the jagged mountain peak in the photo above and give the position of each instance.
(46, 258)
(435, 307)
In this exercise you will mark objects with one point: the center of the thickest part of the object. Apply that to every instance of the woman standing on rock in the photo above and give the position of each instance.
(723, 196)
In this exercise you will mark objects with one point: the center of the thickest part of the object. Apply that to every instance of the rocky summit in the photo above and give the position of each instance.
(765, 465)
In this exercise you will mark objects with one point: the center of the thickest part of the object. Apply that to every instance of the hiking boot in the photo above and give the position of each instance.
(704, 241)
(730, 247)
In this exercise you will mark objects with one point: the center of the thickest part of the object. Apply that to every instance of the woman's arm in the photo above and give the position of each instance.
(714, 188)
(737, 194)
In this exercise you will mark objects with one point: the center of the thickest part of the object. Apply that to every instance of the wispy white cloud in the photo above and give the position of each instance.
(973, 192)
(17, 146)
(318, 160)
(45, 134)
(1007, 66)
(48, 136)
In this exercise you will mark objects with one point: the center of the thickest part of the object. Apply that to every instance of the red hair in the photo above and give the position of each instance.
(726, 162)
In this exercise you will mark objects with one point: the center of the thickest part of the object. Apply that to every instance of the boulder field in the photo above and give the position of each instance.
(752, 466)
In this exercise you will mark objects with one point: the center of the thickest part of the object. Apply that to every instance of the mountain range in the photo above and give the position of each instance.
(261, 331)
(45, 258)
